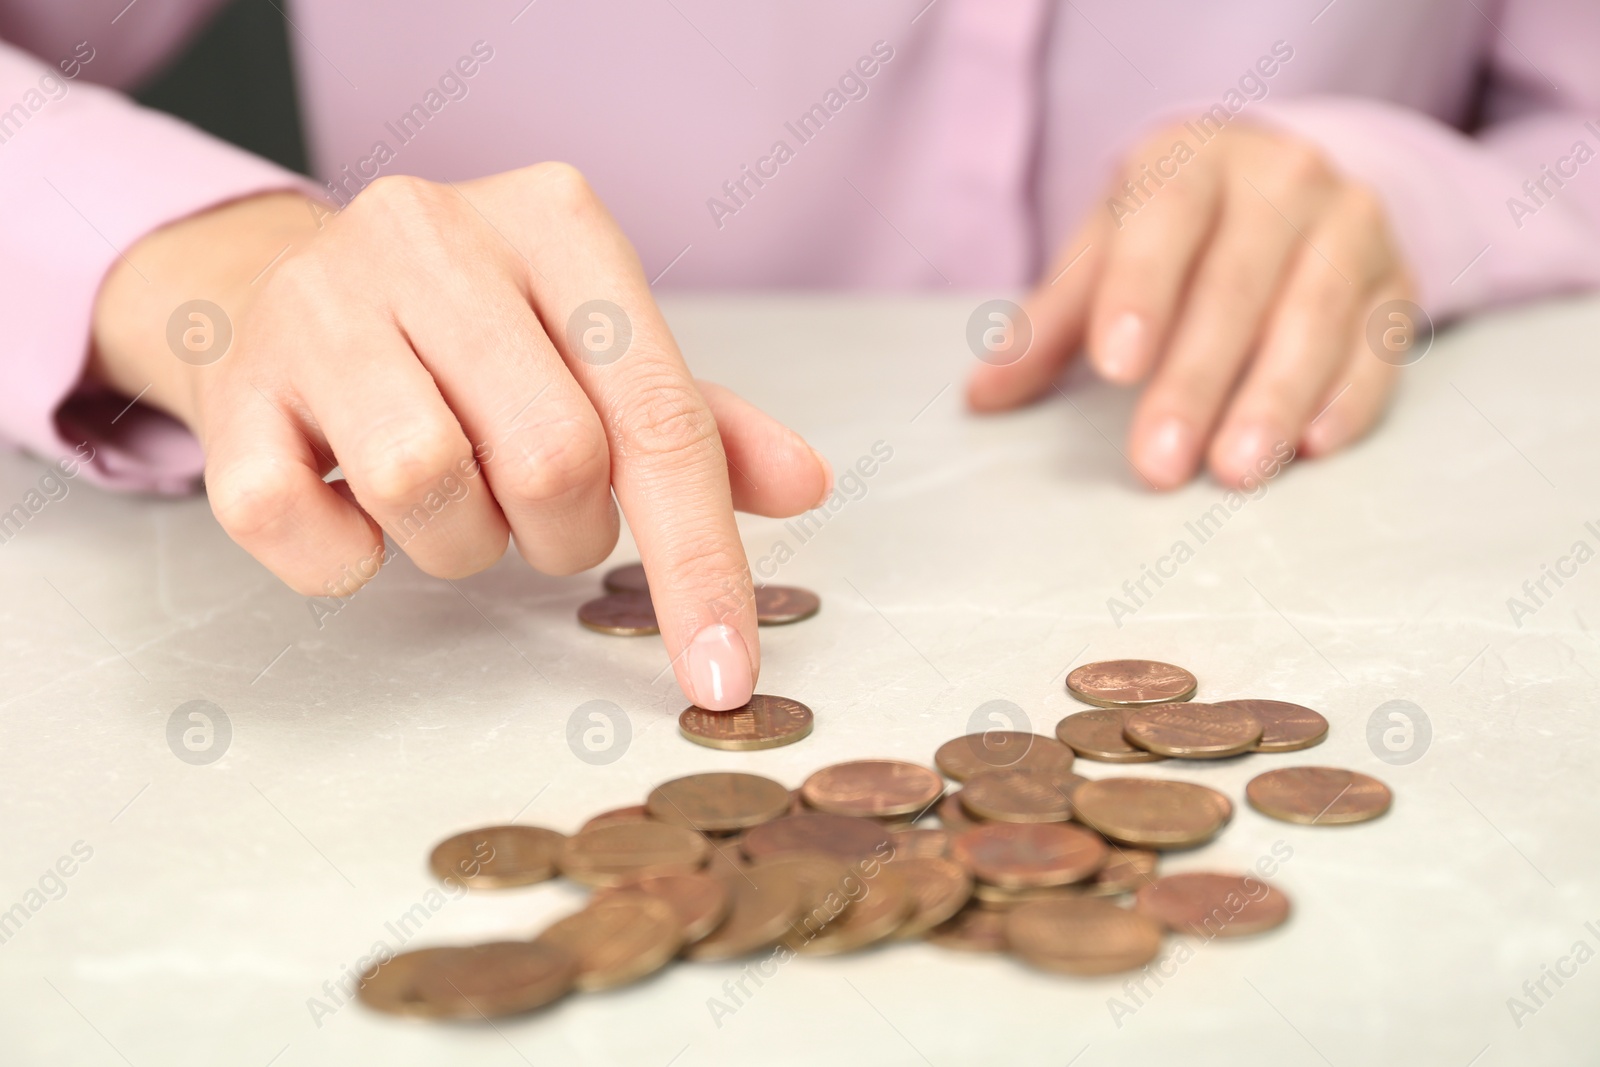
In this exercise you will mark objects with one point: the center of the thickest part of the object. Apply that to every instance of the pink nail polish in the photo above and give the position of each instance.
(719, 669)
(1123, 356)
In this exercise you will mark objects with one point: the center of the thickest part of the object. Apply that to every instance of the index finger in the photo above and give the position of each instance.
(667, 461)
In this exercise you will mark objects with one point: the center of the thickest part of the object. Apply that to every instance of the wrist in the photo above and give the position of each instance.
(150, 337)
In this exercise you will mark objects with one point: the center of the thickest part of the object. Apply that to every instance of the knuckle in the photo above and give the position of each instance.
(556, 460)
(1294, 166)
(252, 497)
(664, 419)
(400, 464)
(563, 188)
(413, 209)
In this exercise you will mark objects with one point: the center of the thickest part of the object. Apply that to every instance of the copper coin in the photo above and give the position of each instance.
(1151, 812)
(628, 578)
(1285, 727)
(610, 855)
(1082, 936)
(1318, 796)
(765, 722)
(998, 897)
(779, 605)
(622, 614)
(631, 813)
(872, 788)
(494, 857)
(1125, 683)
(973, 929)
(1210, 905)
(1097, 735)
(1124, 872)
(1017, 855)
(718, 801)
(761, 914)
(700, 900)
(953, 816)
(878, 902)
(1192, 730)
(939, 888)
(499, 978)
(1020, 795)
(392, 987)
(618, 939)
(920, 844)
(821, 881)
(844, 837)
(996, 750)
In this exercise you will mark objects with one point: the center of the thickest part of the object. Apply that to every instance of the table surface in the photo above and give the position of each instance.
(208, 905)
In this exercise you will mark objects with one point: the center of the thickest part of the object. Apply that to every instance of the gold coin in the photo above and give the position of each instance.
(1020, 795)
(1151, 812)
(939, 888)
(878, 902)
(997, 750)
(1097, 735)
(1285, 727)
(1082, 936)
(495, 857)
(718, 801)
(760, 916)
(1124, 683)
(619, 938)
(1318, 796)
(973, 929)
(765, 722)
(610, 855)
(700, 900)
(1192, 730)
(620, 614)
(872, 788)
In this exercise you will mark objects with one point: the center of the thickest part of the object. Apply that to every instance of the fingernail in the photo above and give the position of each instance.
(1168, 455)
(1241, 455)
(1323, 435)
(1123, 355)
(827, 479)
(719, 669)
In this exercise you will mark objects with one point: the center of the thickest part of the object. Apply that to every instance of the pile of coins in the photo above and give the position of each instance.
(627, 611)
(1028, 857)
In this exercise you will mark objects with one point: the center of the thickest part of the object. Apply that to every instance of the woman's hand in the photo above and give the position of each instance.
(1238, 276)
(481, 360)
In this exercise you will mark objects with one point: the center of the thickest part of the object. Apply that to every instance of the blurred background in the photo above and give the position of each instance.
(235, 81)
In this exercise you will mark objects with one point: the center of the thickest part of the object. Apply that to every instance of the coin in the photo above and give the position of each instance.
(995, 750)
(1209, 905)
(1020, 795)
(1121, 683)
(617, 939)
(872, 788)
(1192, 730)
(1285, 727)
(778, 605)
(939, 888)
(631, 813)
(765, 722)
(392, 987)
(1018, 855)
(700, 900)
(1097, 735)
(486, 981)
(920, 844)
(1124, 872)
(973, 929)
(821, 881)
(999, 897)
(953, 816)
(626, 579)
(1318, 796)
(623, 614)
(718, 801)
(760, 915)
(1081, 936)
(844, 837)
(879, 902)
(1151, 812)
(609, 855)
(494, 857)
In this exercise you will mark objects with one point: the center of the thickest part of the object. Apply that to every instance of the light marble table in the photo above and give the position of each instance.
(975, 564)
